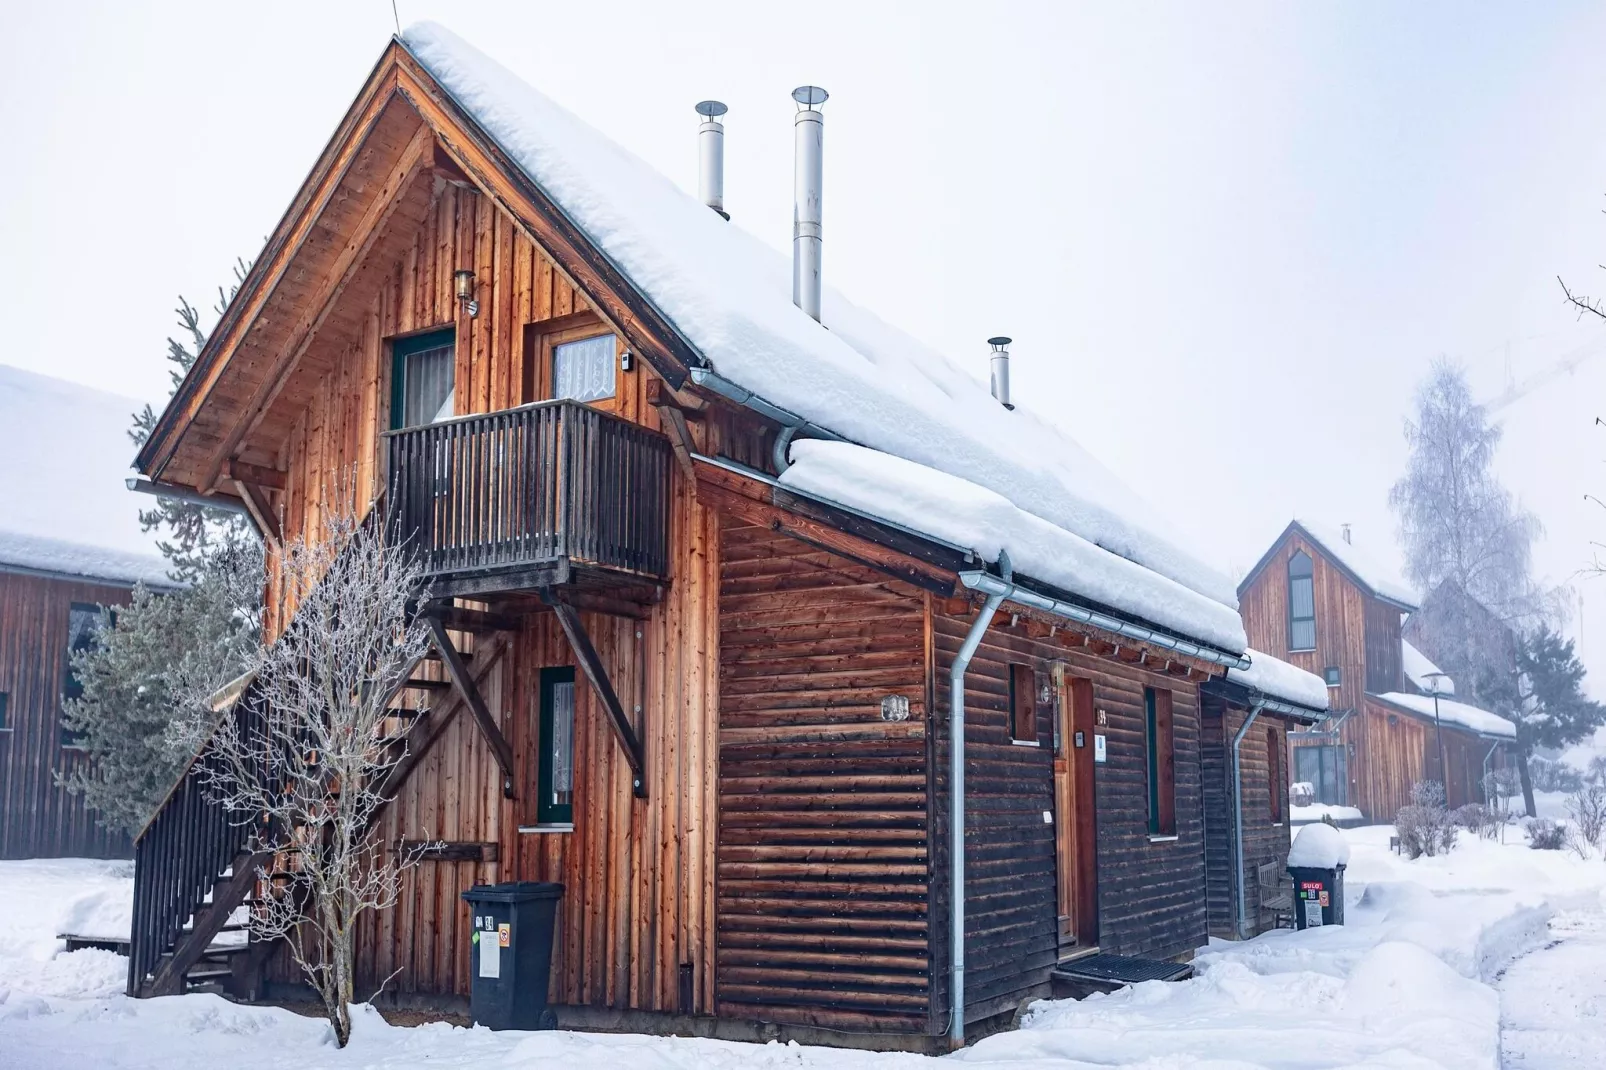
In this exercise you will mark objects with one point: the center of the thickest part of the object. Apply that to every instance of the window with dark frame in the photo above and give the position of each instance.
(554, 796)
(1332, 675)
(1022, 704)
(1301, 602)
(1324, 768)
(1162, 762)
(422, 388)
(85, 622)
(1274, 774)
(3, 699)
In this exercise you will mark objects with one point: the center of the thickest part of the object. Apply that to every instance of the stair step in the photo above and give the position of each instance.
(208, 973)
(428, 685)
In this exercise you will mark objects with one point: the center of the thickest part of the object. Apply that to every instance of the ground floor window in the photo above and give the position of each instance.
(1324, 769)
(554, 798)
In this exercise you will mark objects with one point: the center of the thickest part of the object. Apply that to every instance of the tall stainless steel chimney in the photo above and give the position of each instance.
(1000, 360)
(711, 156)
(808, 178)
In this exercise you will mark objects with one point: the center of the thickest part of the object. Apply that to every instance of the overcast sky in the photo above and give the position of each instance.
(1228, 240)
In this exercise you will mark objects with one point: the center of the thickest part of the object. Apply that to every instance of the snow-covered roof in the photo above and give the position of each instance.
(1278, 679)
(1451, 712)
(68, 510)
(729, 295)
(1364, 562)
(1419, 669)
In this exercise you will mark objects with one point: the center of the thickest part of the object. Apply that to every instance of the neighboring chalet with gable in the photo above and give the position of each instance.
(720, 592)
(70, 543)
(1319, 601)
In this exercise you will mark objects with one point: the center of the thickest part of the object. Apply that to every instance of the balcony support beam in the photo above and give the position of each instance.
(591, 664)
(458, 671)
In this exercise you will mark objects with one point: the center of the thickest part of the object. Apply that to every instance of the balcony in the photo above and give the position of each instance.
(549, 494)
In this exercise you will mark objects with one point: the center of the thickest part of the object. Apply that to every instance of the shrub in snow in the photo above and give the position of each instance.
(1474, 817)
(1319, 846)
(1548, 775)
(1587, 808)
(1424, 825)
(1546, 835)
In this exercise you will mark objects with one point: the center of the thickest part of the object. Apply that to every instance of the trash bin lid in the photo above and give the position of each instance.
(514, 892)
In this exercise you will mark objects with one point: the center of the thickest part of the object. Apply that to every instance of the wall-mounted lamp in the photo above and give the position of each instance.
(463, 284)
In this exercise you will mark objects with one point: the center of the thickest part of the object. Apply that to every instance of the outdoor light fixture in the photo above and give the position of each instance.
(463, 283)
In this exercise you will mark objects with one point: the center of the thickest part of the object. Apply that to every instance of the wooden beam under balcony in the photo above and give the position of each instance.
(585, 653)
(458, 671)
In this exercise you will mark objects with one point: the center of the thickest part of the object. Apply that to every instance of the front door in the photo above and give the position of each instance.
(1075, 822)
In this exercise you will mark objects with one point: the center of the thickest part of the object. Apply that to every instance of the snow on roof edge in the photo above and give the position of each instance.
(1476, 720)
(1382, 579)
(729, 295)
(1279, 679)
(61, 557)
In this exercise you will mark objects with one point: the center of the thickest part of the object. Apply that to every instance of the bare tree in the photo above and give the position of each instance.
(308, 769)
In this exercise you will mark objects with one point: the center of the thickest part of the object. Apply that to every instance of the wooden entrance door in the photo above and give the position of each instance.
(1075, 822)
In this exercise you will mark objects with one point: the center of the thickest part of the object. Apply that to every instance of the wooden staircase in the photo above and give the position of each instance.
(196, 865)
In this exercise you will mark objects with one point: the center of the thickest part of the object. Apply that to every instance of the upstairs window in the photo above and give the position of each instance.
(1162, 762)
(1274, 774)
(1333, 676)
(1301, 602)
(554, 797)
(584, 369)
(85, 622)
(1022, 704)
(422, 372)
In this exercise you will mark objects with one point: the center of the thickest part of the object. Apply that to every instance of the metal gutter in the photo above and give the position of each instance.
(1238, 815)
(988, 584)
(141, 485)
(712, 380)
(956, 798)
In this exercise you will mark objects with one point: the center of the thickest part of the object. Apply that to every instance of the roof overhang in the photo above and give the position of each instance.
(1295, 527)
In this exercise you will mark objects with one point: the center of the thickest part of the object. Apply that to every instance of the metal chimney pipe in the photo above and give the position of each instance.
(1000, 361)
(808, 128)
(711, 156)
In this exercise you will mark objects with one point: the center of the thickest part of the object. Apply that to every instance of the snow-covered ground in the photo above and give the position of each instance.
(1436, 955)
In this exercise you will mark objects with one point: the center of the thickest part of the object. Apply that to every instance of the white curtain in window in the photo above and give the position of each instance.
(427, 394)
(562, 743)
(584, 370)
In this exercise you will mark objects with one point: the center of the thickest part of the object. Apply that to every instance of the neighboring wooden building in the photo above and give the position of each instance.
(1323, 604)
(70, 543)
(700, 597)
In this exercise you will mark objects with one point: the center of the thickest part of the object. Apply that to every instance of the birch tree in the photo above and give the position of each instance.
(306, 761)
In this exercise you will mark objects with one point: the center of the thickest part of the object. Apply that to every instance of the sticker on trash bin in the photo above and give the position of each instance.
(504, 932)
(490, 958)
(1324, 899)
(1313, 913)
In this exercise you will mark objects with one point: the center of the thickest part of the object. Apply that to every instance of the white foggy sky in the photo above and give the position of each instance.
(1228, 239)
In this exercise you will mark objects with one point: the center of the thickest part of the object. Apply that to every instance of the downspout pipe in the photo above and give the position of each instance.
(956, 795)
(1238, 814)
(1487, 758)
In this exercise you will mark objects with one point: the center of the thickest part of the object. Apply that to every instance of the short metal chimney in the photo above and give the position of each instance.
(807, 181)
(1000, 361)
(1344, 529)
(711, 156)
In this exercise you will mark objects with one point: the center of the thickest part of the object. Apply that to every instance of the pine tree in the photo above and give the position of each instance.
(1555, 710)
(163, 646)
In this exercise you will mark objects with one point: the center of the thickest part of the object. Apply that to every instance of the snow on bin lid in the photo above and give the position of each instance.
(1319, 846)
(730, 296)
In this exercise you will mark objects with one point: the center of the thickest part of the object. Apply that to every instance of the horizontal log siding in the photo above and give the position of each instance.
(823, 822)
(1264, 840)
(1151, 894)
(38, 819)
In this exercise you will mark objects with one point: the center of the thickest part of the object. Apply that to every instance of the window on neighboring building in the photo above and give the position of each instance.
(1324, 769)
(1022, 704)
(584, 369)
(3, 726)
(1274, 773)
(421, 385)
(85, 622)
(1332, 676)
(1162, 762)
(554, 799)
(1301, 602)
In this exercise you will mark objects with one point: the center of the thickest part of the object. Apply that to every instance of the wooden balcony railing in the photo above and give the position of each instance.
(543, 483)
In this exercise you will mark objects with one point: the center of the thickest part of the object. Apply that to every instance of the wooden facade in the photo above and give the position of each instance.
(1384, 749)
(38, 818)
(783, 858)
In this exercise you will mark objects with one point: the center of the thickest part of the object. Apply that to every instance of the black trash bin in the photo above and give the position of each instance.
(511, 954)
(1318, 896)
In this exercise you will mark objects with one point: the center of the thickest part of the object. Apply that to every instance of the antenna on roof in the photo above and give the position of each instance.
(395, 15)
(711, 155)
(807, 179)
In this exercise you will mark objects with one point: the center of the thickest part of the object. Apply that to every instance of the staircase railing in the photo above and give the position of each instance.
(182, 851)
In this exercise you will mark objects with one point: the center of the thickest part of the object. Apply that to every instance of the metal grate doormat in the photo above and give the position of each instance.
(1123, 970)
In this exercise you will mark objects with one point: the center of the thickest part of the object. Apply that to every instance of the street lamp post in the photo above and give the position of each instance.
(1437, 679)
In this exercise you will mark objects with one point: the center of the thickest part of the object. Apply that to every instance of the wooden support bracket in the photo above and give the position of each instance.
(261, 511)
(458, 671)
(591, 665)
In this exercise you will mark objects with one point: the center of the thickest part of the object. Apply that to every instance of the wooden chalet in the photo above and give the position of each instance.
(1320, 602)
(673, 672)
(70, 544)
